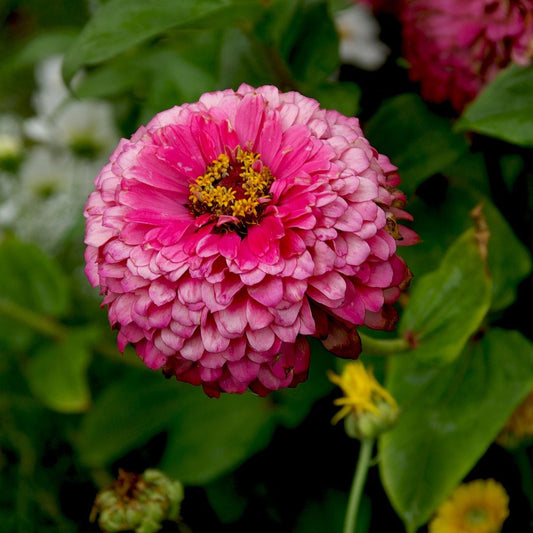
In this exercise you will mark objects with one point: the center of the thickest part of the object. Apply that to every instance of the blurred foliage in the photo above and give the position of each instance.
(74, 410)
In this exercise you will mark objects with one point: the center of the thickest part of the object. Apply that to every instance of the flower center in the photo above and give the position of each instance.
(236, 188)
(476, 516)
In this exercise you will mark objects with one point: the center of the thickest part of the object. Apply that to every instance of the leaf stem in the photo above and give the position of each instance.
(373, 346)
(522, 460)
(361, 470)
(36, 321)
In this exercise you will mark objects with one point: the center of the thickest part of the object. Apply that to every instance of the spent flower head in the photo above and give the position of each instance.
(480, 506)
(367, 407)
(138, 502)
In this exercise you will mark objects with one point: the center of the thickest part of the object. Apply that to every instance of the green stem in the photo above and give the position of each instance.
(373, 346)
(361, 470)
(526, 472)
(36, 321)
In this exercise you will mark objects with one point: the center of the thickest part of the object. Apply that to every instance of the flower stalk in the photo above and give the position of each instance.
(358, 483)
(373, 346)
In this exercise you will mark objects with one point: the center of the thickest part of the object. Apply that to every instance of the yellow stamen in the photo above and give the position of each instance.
(237, 189)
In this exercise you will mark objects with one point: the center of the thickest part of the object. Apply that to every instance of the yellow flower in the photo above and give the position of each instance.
(519, 427)
(477, 507)
(368, 407)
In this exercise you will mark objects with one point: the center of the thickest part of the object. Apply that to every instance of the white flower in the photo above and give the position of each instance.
(358, 32)
(86, 127)
(51, 91)
(50, 194)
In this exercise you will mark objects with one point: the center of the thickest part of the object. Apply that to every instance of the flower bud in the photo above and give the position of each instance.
(368, 408)
(138, 502)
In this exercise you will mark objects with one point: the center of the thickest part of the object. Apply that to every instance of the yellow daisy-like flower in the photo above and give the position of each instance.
(519, 427)
(368, 407)
(480, 506)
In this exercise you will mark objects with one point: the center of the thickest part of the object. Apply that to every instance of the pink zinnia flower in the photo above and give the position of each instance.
(385, 6)
(456, 47)
(226, 231)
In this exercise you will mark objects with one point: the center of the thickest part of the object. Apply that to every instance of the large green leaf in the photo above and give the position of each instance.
(447, 306)
(207, 436)
(127, 414)
(416, 140)
(174, 80)
(243, 60)
(57, 373)
(121, 24)
(211, 436)
(31, 286)
(509, 261)
(341, 96)
(450, 415)
(315, 54)
(505, 108)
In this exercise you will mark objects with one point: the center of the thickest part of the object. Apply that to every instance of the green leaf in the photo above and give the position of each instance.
(57, 373)
(242, 60)
(342, 96)
(450, 416)
(43, 46)
(509, 261)
(121, 24)
(31, 285)
(211, 436)
(174, 80)
(417, 141)
(315, 54)
(447, 306)
(111, 79)
(207, 436)
(127, 414)
(278, 26)
(505, 107)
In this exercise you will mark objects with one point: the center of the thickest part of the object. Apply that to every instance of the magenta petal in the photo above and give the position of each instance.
(257, 315)
(211, 338)
(193, 348)
(248, 120)
(269, 292)
(261, 340)
(245, 371)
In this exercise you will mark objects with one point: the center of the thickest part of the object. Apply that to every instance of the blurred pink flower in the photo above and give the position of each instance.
(385, 6)
(456, 47)
(226, 231)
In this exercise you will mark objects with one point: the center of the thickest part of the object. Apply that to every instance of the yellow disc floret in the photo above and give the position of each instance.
(237, 187)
